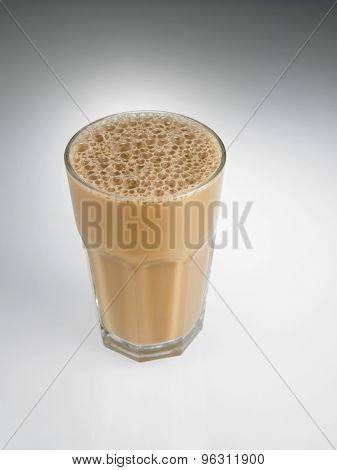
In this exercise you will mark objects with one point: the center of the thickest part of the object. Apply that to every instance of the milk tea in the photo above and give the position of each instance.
(145, 187)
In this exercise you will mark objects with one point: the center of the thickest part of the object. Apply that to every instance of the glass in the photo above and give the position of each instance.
(150, 292)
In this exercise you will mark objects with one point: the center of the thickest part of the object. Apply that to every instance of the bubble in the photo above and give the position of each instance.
(141, 136)
(167, 121)
(82, 147)
(120, 166)
(178, 140)
(131, 183)
(124, 146)
(117, 181)
(190, 136)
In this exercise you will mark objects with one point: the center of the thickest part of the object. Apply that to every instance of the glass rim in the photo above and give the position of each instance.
(139, 198)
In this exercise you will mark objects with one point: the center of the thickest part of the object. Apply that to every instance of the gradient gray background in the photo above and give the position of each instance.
(214, 61)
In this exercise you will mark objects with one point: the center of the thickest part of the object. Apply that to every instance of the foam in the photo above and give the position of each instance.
(145, 155)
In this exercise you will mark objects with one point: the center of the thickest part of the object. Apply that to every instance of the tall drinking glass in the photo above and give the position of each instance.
(149, 256)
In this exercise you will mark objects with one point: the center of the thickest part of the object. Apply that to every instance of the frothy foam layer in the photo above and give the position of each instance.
(144, 155)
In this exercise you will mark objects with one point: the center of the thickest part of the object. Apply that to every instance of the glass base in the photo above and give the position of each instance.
(148, 352)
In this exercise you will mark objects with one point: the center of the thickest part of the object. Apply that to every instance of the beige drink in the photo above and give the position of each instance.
(144, 187)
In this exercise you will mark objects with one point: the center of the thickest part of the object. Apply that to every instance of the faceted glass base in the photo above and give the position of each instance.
(148, 352)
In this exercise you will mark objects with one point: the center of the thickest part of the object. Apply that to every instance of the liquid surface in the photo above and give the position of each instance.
(142, 155)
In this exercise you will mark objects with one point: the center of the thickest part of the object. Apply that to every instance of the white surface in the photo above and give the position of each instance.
(221, 393)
